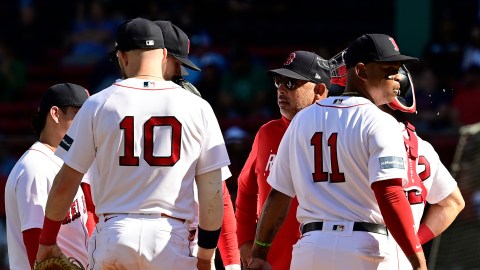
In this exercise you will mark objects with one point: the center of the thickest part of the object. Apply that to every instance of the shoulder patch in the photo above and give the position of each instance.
(66, 142)
(391, 162)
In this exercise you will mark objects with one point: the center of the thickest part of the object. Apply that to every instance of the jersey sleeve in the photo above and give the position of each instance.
(214, 152)
(247, 198)
(387, 150)
(440, 181)
(77, 148)
(32, 193)
(280, 177)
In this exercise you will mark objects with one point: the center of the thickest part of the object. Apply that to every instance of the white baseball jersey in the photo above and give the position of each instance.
(26, 196)
(330, 155)
(149, 139)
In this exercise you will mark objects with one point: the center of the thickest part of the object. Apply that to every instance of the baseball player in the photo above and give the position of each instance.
(303, 80)
(345, 161)
(429, 180)
(150, 140)
(30, 182)
(178, 46)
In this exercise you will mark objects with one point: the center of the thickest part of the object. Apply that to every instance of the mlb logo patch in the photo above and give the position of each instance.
(148, 84)
(339, 228)
(150, 42)
(338, 101)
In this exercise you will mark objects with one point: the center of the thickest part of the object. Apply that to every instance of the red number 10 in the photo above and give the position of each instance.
(128, 159)
(319, 175)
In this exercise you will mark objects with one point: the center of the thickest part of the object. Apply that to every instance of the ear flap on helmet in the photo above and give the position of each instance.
(405, 100)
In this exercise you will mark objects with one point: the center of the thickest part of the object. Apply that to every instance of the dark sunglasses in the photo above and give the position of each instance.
(289, 83)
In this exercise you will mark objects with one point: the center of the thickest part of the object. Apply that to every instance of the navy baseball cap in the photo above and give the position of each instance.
(307, 66)
(139, 33)
(375, 48)
(63, 94)
(177, 43)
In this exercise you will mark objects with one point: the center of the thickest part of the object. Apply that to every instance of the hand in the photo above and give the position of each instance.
(418, 261)
(46, 252)
(204, 264)
(259, 264)
(246, 253)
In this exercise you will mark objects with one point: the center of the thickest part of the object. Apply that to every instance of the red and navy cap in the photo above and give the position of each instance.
(63, 94)
(307, 66)
(375, 48)
(139, 33)
(177, 43)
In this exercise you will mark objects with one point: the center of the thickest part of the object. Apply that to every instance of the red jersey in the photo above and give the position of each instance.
(252, 182)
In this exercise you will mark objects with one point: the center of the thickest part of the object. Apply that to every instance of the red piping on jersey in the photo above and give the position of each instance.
(344, 107)
(144, 88)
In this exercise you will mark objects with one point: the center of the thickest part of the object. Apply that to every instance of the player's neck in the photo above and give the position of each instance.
(148, 76)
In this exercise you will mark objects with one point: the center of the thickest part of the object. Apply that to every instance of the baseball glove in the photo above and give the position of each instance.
(186, 85)
(59, 263)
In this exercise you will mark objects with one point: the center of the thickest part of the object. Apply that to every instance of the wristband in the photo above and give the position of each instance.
(263, 244)
(50, 231)
(208, 239)
(425, 234)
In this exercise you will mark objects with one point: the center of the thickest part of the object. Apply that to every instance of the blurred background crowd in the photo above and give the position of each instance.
(234, 42)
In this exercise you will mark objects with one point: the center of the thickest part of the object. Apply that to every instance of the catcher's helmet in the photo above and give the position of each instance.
(404, 101)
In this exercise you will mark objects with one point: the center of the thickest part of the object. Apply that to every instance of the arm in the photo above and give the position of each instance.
(246, 205)
(398, 217)
(227, 244)
(64, 188)
(273, 214)
(439, 216)
(210, 202)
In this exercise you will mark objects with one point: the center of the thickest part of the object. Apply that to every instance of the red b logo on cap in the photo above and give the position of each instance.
(289, 59)
(395, 46)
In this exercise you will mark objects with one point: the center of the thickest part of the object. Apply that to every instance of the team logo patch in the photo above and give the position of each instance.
(391, 162)
(289, 59)
(66, 142)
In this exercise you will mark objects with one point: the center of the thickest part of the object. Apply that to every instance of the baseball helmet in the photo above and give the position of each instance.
(405, 99)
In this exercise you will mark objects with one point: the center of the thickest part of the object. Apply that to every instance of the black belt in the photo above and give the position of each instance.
(357, 226)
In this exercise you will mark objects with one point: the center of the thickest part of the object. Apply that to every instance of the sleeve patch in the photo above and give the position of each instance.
(391, 162)
(66, 142)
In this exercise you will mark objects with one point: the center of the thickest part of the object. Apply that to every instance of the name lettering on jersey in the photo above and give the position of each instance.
(338, 101)
(391, 162)
(270, 160)
(73, 213)
(66, 142)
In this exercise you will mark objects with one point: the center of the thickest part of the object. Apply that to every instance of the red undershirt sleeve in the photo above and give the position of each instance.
(397, 214)
(92, 218)
(30, 240)
(227, 243)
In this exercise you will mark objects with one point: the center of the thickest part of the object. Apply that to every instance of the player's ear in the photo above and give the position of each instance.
(361, 71)
(321, 91)
(55, 113)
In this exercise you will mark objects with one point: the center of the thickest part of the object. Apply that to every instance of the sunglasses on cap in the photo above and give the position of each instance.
(289, 83)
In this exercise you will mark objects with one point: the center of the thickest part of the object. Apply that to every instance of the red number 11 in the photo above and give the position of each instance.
(319, 175)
